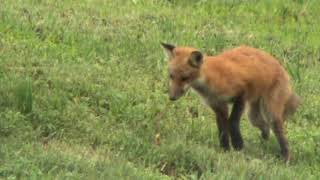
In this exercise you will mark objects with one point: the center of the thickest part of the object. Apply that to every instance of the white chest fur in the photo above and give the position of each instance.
(209, 94)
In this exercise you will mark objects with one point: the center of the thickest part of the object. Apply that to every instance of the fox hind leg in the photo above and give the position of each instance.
(275, 105)
(257, 116)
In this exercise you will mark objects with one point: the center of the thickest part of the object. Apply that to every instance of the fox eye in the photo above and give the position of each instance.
(184, 78)
(170, 76)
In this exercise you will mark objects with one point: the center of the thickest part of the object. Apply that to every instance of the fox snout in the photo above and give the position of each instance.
(172, 98)
(175, 92)
(175, 96)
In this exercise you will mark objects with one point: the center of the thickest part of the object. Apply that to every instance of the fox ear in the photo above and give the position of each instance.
(196, 59)
(168, 48)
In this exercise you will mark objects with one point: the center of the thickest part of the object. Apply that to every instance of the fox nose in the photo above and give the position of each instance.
(173, 98)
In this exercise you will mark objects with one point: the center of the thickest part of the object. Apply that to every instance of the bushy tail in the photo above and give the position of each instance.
(292, 105)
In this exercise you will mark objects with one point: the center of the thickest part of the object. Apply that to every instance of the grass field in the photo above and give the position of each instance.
(83, 89)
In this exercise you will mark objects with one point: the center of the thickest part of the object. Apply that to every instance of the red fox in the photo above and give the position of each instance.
(243, 75)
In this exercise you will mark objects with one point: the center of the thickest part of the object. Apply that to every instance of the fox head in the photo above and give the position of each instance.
(184, 68)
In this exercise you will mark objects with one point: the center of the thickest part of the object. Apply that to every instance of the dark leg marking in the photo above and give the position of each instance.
(234, 123)
(222, 123)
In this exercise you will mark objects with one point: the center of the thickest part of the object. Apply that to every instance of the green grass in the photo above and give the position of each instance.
(83, 89)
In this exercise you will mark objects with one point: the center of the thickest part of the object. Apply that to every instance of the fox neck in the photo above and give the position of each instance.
(201, 86)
